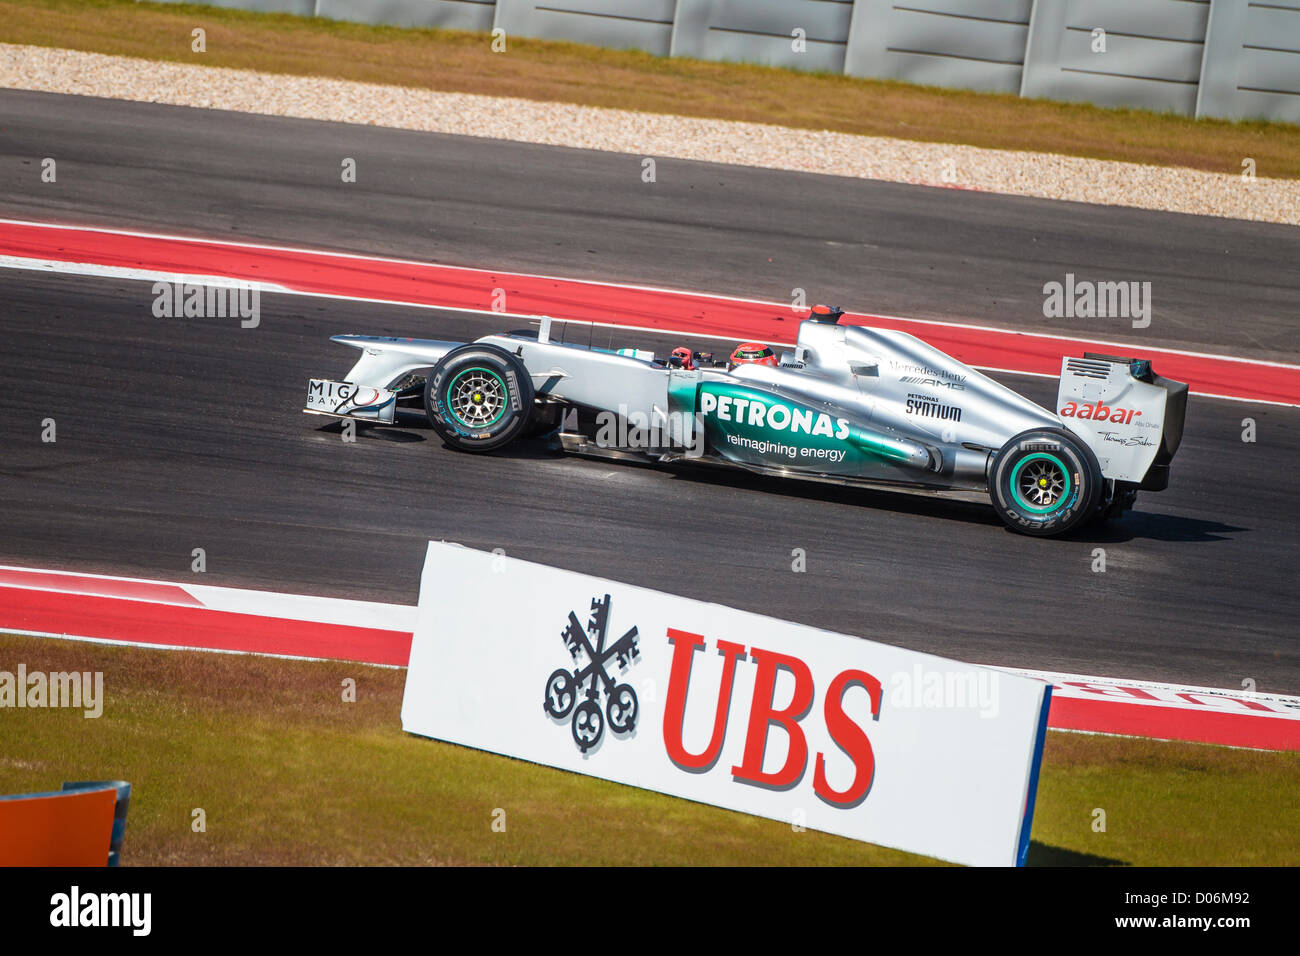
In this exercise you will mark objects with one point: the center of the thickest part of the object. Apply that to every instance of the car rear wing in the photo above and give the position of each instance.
(1129, 416)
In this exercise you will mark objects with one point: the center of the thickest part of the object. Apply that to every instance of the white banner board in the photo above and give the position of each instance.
(725, 707)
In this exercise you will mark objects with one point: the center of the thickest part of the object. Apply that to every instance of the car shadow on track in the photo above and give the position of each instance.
(366, 431)
(899, 502)
(1132, 525)
(1157, 527)
(411, 426)
(414, 427)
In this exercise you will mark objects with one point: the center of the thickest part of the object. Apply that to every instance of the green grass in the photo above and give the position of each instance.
(1168, 804)
(572, 73)
(288, 773)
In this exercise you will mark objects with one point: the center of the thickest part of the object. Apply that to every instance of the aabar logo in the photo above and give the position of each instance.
(591, 658)
(847, 733)
(1100, 412)
(759, 414)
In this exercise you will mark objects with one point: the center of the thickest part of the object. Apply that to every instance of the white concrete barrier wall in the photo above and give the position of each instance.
(970, 44)
(301, 8)
(1252, 61)
(620, 24)
(473, 15)
(798, 34)
(1234, 59)
(1117, 52)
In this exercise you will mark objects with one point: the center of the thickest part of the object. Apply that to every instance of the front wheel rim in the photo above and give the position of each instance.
(477, 397)
(1040, 483)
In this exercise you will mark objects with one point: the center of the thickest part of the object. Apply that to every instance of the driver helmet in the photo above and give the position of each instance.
(752, 353)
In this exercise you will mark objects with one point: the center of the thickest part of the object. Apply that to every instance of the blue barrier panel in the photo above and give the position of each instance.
(120, 807)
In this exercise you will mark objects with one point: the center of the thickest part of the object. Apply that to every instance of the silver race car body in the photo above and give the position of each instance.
(849, 404)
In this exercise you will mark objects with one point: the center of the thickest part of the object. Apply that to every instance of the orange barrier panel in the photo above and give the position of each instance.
(71, 828)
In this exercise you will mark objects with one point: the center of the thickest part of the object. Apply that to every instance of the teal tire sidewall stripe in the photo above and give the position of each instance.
(1040, 510)
(446, 397)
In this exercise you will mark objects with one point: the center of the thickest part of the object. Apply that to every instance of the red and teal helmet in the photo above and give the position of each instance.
(752, 353)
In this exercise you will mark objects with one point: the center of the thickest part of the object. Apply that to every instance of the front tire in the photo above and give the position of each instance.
(1045, 482)
(479, 398)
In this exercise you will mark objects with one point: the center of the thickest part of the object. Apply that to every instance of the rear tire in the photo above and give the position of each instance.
(479, 398)
(1045, 482)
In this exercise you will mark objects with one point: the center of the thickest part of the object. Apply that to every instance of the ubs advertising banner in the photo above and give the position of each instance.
(725, 707)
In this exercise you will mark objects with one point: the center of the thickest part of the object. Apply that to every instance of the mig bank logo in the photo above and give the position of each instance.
(591, 682)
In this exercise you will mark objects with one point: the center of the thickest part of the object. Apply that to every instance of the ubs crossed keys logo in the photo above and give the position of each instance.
(564, 687)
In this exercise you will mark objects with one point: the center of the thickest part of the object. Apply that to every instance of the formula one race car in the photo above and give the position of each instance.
(849, 404)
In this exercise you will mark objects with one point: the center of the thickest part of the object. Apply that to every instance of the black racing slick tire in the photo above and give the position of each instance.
(1045, 482)
(479, 398)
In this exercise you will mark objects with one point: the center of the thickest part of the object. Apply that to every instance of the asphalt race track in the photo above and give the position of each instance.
(176, 434)
(1217, 285)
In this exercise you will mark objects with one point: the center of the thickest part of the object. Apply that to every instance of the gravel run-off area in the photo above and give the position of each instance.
(1043, 175)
